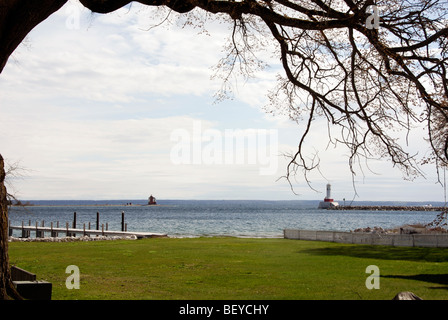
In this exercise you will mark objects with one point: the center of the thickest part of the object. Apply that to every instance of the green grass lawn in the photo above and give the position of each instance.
(233, 268)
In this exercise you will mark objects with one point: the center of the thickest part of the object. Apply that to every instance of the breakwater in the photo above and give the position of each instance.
(389, 208)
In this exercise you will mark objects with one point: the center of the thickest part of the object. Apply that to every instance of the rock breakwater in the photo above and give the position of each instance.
(406, 229)
(389, 208)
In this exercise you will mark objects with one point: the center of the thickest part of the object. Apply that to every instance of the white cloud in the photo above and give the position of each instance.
(89, 109)
(119, 157)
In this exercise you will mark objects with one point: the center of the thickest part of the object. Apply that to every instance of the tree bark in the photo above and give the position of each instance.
(7, 289)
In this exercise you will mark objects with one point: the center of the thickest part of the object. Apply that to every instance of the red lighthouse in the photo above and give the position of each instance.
(152, 200)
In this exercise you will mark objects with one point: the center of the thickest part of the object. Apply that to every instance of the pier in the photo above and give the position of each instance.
(72, 230)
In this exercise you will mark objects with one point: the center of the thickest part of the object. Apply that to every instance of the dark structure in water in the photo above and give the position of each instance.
(151, 200)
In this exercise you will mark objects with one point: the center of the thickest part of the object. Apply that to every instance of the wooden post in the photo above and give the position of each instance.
(122, 220)
(74, 220)
(66, 228)
(39, 233)
(97, 221)
(9, 228)
(102, 229)
(126, 227)
(25, 233)
(54, 234)
(84, 229)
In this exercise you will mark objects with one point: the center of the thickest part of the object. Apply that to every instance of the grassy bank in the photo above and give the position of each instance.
(233, 268)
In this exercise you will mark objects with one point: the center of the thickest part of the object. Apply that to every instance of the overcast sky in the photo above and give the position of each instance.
(110, 107)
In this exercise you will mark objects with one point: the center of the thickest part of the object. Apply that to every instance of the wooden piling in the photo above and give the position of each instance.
(39, 233)
(25, 232)
(97, 221)
(54, 233)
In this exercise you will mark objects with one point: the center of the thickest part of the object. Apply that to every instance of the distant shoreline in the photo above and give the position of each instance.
(90, 205)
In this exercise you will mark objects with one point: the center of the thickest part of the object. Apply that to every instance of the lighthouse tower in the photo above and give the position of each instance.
(328, 201)
(328, 197)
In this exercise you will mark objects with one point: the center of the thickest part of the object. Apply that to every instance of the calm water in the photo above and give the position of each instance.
(189, 218)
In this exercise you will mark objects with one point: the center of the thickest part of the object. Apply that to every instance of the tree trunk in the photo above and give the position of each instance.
(7, 289)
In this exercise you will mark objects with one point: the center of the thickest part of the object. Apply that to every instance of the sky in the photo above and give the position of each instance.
(121, 106)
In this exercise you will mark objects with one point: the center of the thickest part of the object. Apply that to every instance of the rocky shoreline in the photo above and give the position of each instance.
(407, 229)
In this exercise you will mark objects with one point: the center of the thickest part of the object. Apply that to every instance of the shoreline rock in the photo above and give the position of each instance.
(388, 208)
(406, 229)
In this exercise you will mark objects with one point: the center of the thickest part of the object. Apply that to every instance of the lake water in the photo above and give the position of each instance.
(192, 218)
